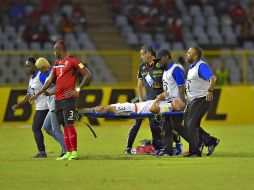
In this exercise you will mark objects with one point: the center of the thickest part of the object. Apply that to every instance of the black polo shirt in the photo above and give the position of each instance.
(152, 79)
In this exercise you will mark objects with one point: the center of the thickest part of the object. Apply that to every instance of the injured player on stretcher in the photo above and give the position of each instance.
(159, 105)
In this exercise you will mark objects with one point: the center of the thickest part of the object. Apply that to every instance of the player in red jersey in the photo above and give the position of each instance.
(65, 73)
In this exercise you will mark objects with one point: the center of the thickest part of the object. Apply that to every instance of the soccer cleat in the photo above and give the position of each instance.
(128, 151)
(62, 154)
(158, 152)
(211, 148)
(65, 157)
(165, 154)
(179, 148)
(74, 155)
(39, 155)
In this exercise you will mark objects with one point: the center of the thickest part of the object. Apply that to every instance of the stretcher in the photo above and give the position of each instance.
(124, 116)
(80, 116)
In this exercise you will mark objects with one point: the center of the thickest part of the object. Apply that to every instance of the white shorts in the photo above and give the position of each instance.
(124, 108)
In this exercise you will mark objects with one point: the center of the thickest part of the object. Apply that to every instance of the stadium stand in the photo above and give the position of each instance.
(35, 25)
(178, 24)
(87, 25)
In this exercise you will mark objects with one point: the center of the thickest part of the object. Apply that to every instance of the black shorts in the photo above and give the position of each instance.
(65, 111)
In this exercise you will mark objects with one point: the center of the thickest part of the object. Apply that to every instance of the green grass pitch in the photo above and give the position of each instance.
(103, 165)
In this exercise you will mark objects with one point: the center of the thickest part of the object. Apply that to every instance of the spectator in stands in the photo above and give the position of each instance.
(43, 35)
(4, 19)
(174, 31)
(66, 24)
(143, 21)
(78, 14)
(222, 75)
(17, 12)
(245, 33)
(29, 32)
(48, 5)
(221, 7)
(117, 7)
(237, 13)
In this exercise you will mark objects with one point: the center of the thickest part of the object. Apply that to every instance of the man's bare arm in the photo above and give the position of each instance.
(140, 90)
(44, 87)
(209, 95)
(24, 100)
(182, 92)
(86, 78)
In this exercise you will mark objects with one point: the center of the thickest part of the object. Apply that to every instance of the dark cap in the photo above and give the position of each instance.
(32, 60)
(162, 53)
(60, 42)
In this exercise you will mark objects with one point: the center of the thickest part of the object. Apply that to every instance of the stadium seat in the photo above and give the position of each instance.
(230, 39)
(67, 9)
(121, 21)
(226, 20)
(203, 39)
(217, 39)
(215, 63)
(177, 46)
(132, 39)
(248, 45)
(22, 45)
(73, 45)
(198, 30)
(35, 46)
(146, 38)
(190, 43)
(69, 37)
(208, 10)
(125, 30)
(187, 20)
(160, 37)
(213, 31)
(47, 46)
(235, 77)
(212, 21)
(165, 45)
(8, 46)
(199, 21)
(29, 9)
(45, 19)
(227, 30)
(195, 10)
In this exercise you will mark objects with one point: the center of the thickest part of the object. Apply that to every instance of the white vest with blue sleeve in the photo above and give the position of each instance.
(169, 84)
(196, 86)
(33, 87)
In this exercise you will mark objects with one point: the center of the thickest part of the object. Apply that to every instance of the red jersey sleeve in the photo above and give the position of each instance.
(77, 64)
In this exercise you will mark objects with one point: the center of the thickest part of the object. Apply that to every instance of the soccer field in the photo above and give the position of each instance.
(103, 165)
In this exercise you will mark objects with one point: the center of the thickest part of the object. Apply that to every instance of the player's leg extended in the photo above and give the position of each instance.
(68, 112)
(105, 109)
